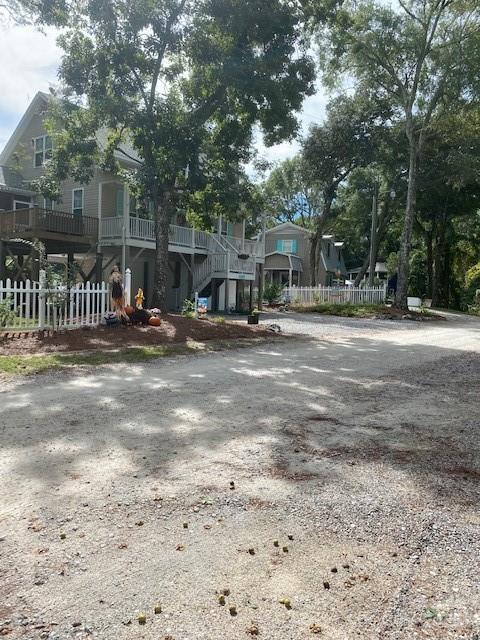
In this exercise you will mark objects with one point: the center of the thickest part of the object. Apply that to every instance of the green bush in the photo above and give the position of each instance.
(188, 308)
(344, 310)
(272, 292)
(7, 315)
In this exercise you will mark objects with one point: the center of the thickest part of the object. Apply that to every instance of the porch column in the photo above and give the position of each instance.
(98, 266)
(227, 295)
(99, 209)
(250, 302)
(3, 256)
(290, 278)
(261, 286)
(70, 261)
(126, 228)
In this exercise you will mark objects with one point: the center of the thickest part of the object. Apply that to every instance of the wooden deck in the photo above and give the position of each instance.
(46, 224)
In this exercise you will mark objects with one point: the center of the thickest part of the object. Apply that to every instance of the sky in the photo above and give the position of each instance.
(29, 63)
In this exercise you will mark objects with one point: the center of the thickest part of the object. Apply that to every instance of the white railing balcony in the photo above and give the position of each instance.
(111, 227)
(143, 229)
(181, 236)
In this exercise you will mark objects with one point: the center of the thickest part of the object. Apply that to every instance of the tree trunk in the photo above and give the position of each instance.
(316, 241)
(382, 221)
(313, 259)
(429, 239)
(406, 242)
(162, 223)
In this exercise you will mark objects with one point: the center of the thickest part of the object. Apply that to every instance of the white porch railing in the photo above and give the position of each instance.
(36, 307)
(309, 296)
(242, 266)
(111, 227)
(143, 229)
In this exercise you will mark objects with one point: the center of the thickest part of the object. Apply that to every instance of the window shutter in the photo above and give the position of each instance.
(229, 228)
(294, 247)
(279, 245)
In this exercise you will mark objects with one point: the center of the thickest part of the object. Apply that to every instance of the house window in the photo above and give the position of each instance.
(287, 246)
(21, 204)
(77, 202)
(119, 202)
(43, 147)
(48, 204)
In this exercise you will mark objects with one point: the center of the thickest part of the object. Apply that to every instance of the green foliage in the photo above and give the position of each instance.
(392, 263)
(188, 308)
(7, 314)
(416, 58)
(344, 310)
(177, 84)
(272, 292)
(289, 196)
(472, 277)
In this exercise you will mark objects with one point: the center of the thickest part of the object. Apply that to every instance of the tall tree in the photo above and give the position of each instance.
(290, 196)
(333, 150)
(420, 57)
(170, 77)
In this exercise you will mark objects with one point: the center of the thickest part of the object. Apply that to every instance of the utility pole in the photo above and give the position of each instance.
(373, 239)
(261, 279)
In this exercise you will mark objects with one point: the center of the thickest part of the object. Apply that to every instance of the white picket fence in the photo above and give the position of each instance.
(36, 307)
(309, 296)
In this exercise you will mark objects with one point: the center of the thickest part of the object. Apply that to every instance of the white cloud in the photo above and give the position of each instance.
(30, 61)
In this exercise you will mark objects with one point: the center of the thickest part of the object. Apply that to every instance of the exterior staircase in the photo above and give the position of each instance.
(222, 266)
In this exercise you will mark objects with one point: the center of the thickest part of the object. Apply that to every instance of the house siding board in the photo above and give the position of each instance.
(302, 238)
(277, 261)
(22, 157)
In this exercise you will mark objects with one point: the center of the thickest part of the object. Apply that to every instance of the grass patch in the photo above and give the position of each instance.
(25, 365)
(217, 319)
(362, 311)
(344, 310)
(33, 364)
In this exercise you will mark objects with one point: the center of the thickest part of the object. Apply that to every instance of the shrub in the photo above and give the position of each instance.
(188, 308)
(272, 292)
(7, 315)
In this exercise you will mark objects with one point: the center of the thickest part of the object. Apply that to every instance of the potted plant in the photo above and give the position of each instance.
(252, 317)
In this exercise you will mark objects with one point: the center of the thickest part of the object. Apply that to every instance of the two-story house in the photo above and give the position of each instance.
(99, 224)
(287, 257)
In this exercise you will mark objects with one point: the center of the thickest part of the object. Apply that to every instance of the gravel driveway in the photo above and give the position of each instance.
(357, 453)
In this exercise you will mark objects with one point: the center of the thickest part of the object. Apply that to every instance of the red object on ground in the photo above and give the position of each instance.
(154, 321)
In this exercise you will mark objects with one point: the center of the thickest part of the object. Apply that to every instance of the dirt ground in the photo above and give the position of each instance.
(173, 329)
(358, 454)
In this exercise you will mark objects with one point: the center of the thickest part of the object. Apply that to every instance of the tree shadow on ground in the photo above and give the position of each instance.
(306, 414)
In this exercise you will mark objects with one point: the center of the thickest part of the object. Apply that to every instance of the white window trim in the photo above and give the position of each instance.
(30, 204)
(34, 140)
(45, 204)
(82, 189)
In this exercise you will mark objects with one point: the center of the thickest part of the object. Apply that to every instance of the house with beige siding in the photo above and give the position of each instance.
(99, 224)
(287, 257)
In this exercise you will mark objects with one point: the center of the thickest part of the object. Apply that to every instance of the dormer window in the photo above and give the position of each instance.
(42, 150)
(287, 246)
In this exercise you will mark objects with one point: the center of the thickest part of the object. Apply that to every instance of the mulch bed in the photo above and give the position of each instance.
(174, 329)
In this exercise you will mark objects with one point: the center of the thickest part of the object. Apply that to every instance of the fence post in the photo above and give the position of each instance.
(42, 298)
(128, 286)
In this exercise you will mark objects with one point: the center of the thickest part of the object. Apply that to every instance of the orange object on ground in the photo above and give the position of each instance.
(154, 321)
